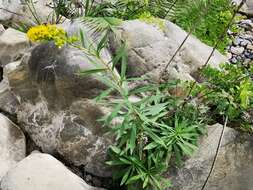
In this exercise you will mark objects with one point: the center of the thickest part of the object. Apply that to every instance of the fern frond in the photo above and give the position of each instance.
(100, 24)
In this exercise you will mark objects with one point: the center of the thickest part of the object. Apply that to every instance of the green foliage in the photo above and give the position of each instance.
(229, 92)
(211, 16)
(153, 131)
(215, 15)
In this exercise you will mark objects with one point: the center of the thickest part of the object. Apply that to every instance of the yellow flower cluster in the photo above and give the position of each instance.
(49, 32)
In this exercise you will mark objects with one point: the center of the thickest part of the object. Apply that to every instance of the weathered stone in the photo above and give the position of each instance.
(247, 7)
(17, 12)
(50, 92)
(150, 49)
(42, 172)
(247, 24)
(8, 102)
(250, 47)
(238, 41)
(245, 42)
(12, 145)
(1, 29)
(11, 66)
(7, 7)
(237, 50)
(86, 145)
(13, 44)
(233, 168)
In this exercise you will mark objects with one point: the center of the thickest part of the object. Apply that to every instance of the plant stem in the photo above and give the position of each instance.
(216, 154)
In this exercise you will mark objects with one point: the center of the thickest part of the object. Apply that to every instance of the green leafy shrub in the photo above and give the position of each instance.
(215, 15)
(229, 92)
(154, 131)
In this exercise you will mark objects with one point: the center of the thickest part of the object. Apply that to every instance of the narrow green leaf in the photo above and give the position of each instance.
(133, 179)
(132, 139)
(151, 146)
(125, 177)
(145, 183)
(91, 71)
(115, 149)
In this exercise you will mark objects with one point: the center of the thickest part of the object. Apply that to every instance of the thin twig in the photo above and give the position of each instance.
(216, 154)
(7, 10)
(221, 37)
(196, 23)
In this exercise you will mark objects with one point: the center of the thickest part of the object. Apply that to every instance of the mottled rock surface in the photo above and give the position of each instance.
(54, 107)
(13, 44)
(150, 49)
(12, 145)
(233, 169)
(42, 172)
(17, 12)
(8, 101)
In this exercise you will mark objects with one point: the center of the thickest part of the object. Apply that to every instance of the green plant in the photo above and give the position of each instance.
(153, 130)
(209, 29)
(33, 11)
(229, 92)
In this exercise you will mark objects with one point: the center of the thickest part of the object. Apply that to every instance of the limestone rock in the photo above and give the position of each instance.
(8, 101)
(150, 49)
(8, 7)
(12, 145)
(237, 50)
(233, 169)
(17, 12)
(87, 144)
(54, 107)
(13, 44)
(247, 7)
(42, 172)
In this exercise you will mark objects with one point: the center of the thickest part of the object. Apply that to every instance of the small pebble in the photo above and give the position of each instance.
(237, 50)
(250, 47)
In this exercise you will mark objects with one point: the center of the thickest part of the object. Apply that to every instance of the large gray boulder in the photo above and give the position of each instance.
(12, 145)
(13, 45)
(150, 49)
(42, 172)
(55, 109)
(16, 12)
(233, 169)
